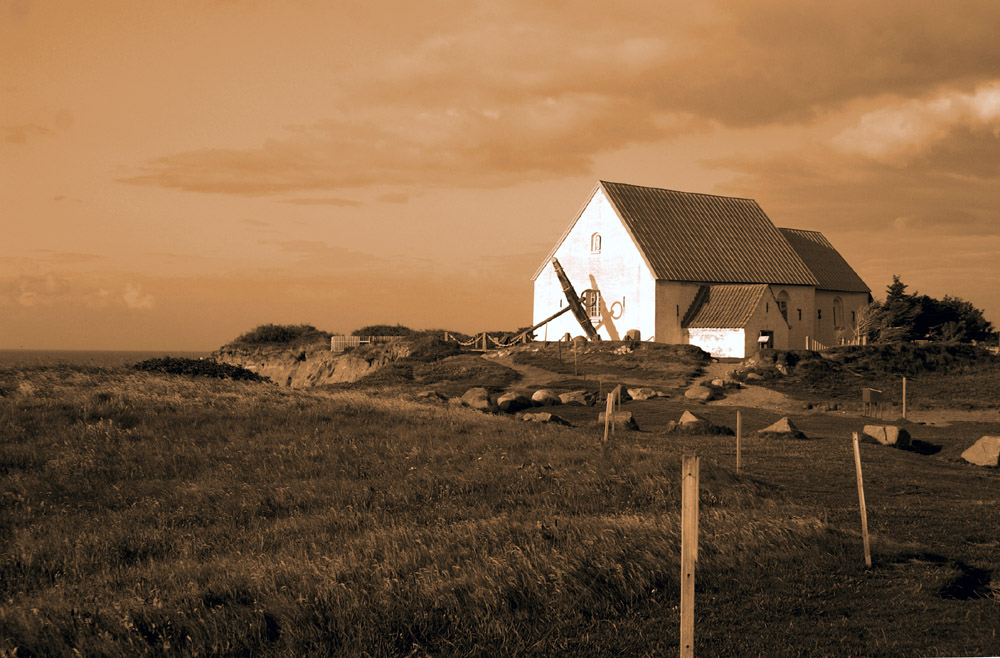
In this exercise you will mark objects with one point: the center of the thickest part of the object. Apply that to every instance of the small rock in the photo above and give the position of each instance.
(888, 435)
(782, 429)
(641, 393)
(984, 452)
(513, 402)
(699, 392)
(718, 383)
(621, 419)
(782, 368)
(477, 398)
(633, 334)
(754, 377)
(431, 396)
(544, 417)
(545, 396)
(574, 397)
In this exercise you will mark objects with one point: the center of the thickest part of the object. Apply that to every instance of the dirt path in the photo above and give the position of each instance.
(531, 377)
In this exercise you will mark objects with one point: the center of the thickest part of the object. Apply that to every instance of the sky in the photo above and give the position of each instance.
(173, 174)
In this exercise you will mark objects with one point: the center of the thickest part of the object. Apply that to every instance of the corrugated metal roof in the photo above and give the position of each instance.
(700, 237)
(825, 262)
(725, 306)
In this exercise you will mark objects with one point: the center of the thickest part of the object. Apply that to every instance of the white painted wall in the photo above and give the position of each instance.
(628, 290)
(720, 343)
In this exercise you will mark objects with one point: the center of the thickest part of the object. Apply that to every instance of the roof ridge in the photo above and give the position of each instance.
(667, 189)
(800, 230)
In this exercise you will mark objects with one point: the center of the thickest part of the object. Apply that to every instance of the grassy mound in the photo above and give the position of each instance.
(667, 366)
(197, 368)
(939, 374)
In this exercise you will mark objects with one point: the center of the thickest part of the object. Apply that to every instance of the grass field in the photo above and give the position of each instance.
(149, 514)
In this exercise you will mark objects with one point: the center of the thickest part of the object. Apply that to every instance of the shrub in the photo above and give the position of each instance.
(198, 368)
(269, 334)
(383, 330)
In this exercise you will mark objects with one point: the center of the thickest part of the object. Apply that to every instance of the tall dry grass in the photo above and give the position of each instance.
(145, 514)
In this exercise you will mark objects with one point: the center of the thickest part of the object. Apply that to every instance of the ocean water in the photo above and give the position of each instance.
(106, 358)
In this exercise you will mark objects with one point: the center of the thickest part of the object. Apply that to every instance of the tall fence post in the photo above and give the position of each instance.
(904, 398)
(739, 434)
(861, 501)
(609, 409)
(689, 550)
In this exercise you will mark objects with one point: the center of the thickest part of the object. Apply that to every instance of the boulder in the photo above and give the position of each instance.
(574, 397)
(984, 452)
(754, 377)
(700, 393)
(545, 396)
(431, 396)
(513, 402)
(689, 423)
(642, 393)
(633, 334)
(621, 419)
(782, 429)
(687, 418)
(888, 435)
(477, 398)
(544, 417)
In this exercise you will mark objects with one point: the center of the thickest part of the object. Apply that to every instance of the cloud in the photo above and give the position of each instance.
(134, 298)
(501, 93)
(53, 257)
(20, 134)
(908, 128)
(326, 201)
(394, 197)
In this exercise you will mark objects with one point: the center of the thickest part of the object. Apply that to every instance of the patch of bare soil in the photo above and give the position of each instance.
(758, 397)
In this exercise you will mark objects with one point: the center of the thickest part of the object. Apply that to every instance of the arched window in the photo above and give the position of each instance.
(783, 304)
(595, 243)
(838, 313)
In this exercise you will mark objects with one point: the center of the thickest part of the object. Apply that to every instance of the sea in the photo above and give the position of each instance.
(104, 358)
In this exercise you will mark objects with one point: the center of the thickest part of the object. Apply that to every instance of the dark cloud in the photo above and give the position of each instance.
(507, 92)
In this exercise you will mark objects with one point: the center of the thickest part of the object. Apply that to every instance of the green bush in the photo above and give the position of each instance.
(270, 334)
(198, 368)
(383, 330)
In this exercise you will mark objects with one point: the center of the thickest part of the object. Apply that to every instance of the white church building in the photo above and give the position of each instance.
(697, 269)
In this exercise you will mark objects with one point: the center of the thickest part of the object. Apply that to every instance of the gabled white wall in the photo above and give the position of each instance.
(619, 272)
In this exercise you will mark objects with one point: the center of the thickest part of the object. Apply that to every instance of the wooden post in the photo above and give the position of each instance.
(739, 433)
(609, 408)
(861, 500)
(559, 349)
(689, 550)
(576, 359)
(904, 398)
(446, 336)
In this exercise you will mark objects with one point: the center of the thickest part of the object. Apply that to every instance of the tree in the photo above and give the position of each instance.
(904, 317)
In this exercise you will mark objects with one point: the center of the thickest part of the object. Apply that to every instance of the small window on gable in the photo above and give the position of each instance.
(595, 243)
(800, 313)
